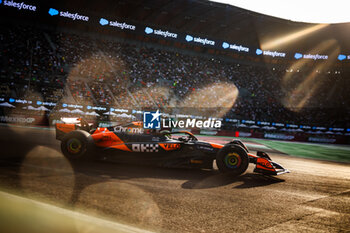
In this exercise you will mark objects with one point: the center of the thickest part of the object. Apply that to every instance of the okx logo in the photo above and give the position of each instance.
(53, 12)
(151, 120)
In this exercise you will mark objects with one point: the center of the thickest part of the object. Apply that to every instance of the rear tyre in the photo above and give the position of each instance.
(232, 159)
(75, 144)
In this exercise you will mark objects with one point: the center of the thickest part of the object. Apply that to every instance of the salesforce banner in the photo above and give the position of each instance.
(239, 48)
(269, 53)
(199, 40)
(310, 56)
(342, 57)
(119, 25)
(161, 33)
(67, 14)
(19, 5)
(193, 39)
(156, 32)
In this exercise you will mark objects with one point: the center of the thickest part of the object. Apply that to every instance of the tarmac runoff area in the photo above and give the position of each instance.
(38, 184)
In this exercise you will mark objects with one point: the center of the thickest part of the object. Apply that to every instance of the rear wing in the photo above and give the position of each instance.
(70, 124)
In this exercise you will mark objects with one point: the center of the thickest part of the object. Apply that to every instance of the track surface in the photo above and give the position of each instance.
(314, 197)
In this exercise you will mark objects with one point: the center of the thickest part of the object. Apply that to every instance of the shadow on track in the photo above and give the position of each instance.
(85, 174)
(247, 180)
(193, 178)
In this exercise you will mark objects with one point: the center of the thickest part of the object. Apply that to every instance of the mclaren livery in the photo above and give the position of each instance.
(130, 143)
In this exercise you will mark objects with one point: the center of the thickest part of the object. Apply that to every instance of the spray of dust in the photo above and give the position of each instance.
(214, 99)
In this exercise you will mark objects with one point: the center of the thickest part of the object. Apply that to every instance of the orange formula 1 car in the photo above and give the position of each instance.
(131, 144)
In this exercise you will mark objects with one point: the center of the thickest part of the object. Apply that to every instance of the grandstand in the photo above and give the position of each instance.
(94, 66)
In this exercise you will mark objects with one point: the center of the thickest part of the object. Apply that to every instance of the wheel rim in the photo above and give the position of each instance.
(74, 146)
(232, 160)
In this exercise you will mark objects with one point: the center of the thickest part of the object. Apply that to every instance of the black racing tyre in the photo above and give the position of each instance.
(75, 145)
(232, 159)
(240, 143)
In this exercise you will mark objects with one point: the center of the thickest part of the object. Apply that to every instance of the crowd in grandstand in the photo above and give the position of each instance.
(103, 72)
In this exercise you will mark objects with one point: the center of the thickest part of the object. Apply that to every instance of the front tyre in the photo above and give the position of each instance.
(232, 159)
(74, 145)
(240, 143)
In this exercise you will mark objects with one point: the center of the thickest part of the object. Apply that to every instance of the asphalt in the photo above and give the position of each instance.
(314, 197)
